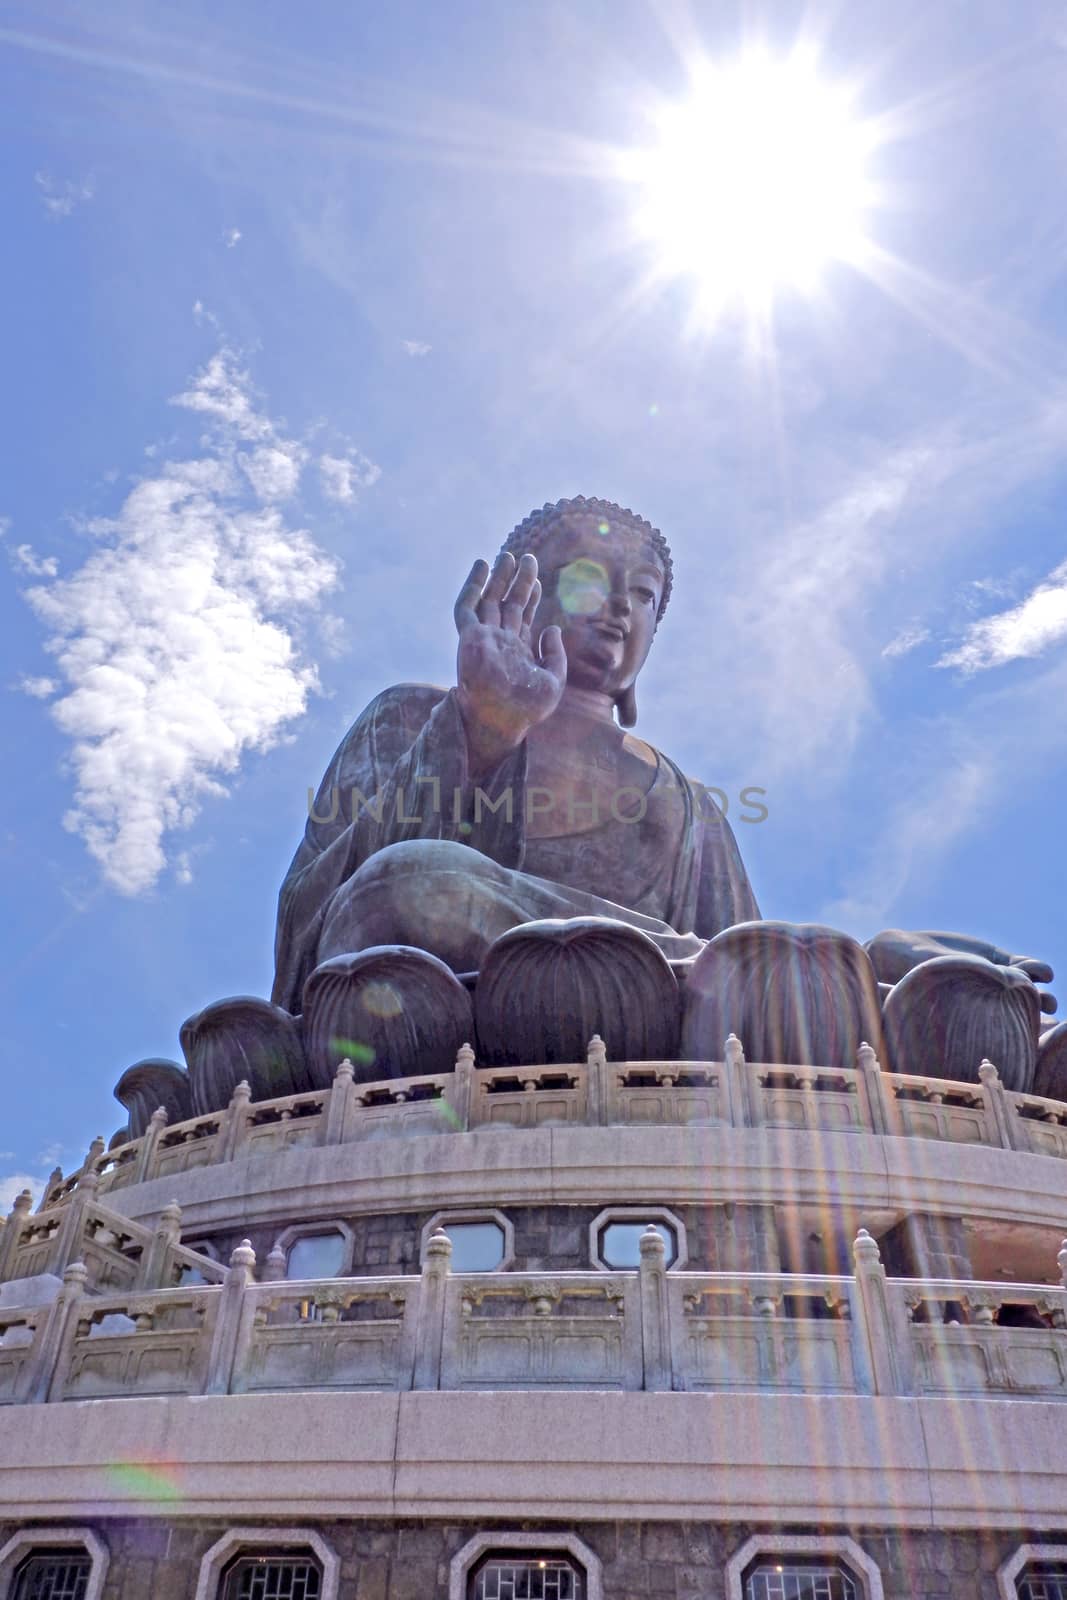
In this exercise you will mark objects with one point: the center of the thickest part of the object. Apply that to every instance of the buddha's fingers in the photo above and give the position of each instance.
(553, 655)
(513, 606)
(495, 590)
(466, 607)
(1036, 971)
(528, 615)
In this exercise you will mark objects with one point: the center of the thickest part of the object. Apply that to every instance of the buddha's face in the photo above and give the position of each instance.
(601, 585)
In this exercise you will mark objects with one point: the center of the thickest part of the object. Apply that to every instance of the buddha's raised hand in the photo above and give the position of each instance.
(508, 683)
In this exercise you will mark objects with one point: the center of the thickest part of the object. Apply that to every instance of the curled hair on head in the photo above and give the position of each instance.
(535, 529)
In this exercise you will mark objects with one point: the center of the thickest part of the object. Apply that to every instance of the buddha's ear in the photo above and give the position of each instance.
(626, 707)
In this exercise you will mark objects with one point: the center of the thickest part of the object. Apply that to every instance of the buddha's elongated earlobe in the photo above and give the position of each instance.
(626, 706)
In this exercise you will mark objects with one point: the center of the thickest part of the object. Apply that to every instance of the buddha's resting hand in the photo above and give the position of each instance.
(895, 951)
(507, 683)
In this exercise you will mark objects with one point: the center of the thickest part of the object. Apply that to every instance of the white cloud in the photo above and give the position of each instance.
(176, 638)
(1027, 629)
(23, 556)
(183, 869)
(344, 476)
(416, 347)
(39, 688)
(273, 470)
(5, 526)
(905, 641)
(13, 1185)
(232, 237)
(60, 196)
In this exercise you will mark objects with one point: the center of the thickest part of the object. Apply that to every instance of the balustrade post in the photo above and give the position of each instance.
(70, 1238)
(458, 1088)
(655, 1325)
(228, 1323)
(340, 1100)
(430, 1316)
(996, 1099)
(55, 1178)
(11, 1235)
(156, 1256)
(276, 1265)
(598, 1091)
(1061, 1262)
(146, 1155)
(236, 1121)
(735, 1073)
(877, 1349)
(874, 1088)
(50, 1359)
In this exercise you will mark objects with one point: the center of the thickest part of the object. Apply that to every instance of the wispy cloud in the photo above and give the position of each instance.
(961, 772)
(176, 640)
(38, 688)
(60, 196)
(13, 1184)
(232, 238)
(905, 641)
(1027, 629)
(415, 347)
(24, 559)
(344, 476)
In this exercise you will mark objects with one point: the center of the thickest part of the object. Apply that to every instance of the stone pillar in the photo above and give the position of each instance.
(735, 1078)
(655, 1323)
(12, 1233)
(146, 1156)
(430, 1317)
(458, 1089)
(1001, 1109)
(235, 1121)
(874, 1088)
(879, 1359)
(50, 1360)
(599, 1089)
(340, 1101)
(229, 1320)
(155, 1258)
(69, 1240)
(276, 1265)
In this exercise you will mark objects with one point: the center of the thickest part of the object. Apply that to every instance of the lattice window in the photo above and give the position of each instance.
(515, 1577)
(53, 1575)
(1043, 1580)
(273, 1577)
(800, 1580)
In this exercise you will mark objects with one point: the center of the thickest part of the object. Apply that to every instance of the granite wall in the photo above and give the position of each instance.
(157, 1560)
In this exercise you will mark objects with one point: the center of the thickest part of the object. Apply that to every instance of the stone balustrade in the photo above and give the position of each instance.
(114, 1252)
(728, 1093)
(648, 1329)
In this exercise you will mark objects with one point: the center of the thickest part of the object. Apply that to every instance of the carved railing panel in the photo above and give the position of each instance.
(138, 1345)
(530, 1097)
(328, 1334)
(668, 1093)
(525, 1331)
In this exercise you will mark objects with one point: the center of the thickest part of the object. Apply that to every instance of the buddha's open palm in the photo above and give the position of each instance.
(507, 682)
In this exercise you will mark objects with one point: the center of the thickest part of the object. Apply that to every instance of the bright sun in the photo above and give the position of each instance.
(755, 183)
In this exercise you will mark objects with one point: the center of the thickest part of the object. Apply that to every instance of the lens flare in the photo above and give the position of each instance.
(755, 182)
(584, 586)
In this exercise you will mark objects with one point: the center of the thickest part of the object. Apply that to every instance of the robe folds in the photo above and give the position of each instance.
(401, 774)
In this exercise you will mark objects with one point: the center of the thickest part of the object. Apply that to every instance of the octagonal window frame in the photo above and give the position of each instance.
(637, 1214)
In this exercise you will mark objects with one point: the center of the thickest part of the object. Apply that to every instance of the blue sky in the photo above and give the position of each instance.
(307, 306)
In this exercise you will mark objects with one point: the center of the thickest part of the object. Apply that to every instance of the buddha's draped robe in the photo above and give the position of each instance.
(401, 774)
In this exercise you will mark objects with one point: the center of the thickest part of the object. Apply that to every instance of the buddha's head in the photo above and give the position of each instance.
(606, 579)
